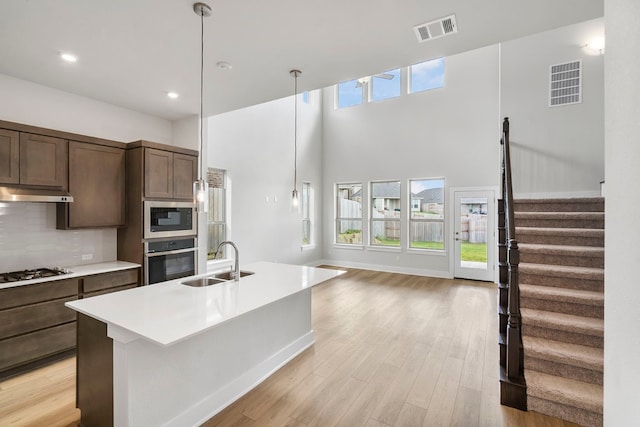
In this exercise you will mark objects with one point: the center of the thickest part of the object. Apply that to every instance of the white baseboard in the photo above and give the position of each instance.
(387, 268)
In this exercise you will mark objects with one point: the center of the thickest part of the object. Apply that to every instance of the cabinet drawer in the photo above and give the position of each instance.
(20, 320)
(36, 345)
(110, 280)
(110, 290)
(40, 292)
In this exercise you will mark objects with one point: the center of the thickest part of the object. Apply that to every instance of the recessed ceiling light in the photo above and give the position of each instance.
(69, 57)
(223, 65)
(172, 95)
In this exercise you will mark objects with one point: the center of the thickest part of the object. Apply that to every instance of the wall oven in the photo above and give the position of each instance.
(169, 219)
(169, 259)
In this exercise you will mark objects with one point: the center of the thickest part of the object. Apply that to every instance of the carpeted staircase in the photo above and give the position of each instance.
(562, 303)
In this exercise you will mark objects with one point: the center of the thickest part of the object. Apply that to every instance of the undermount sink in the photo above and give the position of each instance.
(214, 279)
(203, 281)
(227, 275)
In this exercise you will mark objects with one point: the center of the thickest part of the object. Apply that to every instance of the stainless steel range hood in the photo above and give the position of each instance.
(21, 194)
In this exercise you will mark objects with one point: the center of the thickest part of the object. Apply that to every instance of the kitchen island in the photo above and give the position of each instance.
(181, 354)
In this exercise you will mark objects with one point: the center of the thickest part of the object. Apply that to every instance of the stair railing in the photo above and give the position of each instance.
(511, 357)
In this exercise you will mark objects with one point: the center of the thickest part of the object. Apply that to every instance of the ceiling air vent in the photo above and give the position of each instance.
(565, 84)
(435, 29)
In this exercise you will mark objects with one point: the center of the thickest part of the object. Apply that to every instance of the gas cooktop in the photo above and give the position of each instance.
(36, 273)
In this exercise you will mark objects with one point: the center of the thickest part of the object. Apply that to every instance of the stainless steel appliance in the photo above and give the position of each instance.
(36, 273)
(169, 259)
(20, 194)
(169, 219)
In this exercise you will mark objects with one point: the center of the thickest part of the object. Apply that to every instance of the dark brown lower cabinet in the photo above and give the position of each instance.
(36, 327)
(94, 381)
(35, 346)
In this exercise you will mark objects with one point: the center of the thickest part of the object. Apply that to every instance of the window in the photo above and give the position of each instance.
(306, 214)
(349, 93)
(385, 213)
(426, 75)
(305, 97)
(349, 214)
(385, 85)
(216, 217)
(426, 221)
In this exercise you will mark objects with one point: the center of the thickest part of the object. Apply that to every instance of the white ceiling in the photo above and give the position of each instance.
(132, 52)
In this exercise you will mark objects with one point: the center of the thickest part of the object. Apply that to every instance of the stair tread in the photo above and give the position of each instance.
(586, 232)
(563, 270)
(564, 322)
(566, 353)
(561, 200)
(559, 215)
(565, 391)
(590, 251)
(562, 294)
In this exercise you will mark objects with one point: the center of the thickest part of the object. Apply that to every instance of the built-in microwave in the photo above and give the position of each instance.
(167, 220)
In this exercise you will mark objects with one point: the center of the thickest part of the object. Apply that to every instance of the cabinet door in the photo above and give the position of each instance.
(43, 161)
(97, 184)
(158, 173)
(9, 157)
(185, 171)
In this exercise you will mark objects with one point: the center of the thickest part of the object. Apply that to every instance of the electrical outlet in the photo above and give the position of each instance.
(87, 257)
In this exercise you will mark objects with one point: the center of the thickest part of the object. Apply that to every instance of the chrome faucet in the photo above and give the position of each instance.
(235, 273)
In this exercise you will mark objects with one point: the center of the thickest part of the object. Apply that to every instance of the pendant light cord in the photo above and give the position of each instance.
(201, 90)
(295, 132)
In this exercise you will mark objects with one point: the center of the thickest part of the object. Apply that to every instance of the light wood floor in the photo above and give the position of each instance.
(391, 350)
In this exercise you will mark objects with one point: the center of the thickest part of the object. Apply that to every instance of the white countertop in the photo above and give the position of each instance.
(76, 271)
(168, 312)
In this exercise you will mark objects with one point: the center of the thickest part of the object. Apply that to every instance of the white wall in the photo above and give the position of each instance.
(450, 132)
(255, 146)
(33, 104)
(554, 150)
(622, 253)
(185, 132)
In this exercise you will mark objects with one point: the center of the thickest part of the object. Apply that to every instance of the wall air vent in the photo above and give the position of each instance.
(565, 84)
(436, 29)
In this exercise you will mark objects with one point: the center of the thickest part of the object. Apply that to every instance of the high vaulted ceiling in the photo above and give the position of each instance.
(132, 52)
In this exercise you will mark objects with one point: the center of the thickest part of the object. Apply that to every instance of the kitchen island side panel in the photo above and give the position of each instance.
(189, 382)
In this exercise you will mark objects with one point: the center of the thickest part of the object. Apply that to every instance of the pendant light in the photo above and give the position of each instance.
(201, 187)
(295, 202)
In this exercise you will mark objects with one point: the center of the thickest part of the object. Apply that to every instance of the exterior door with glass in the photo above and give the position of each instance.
(474, 235)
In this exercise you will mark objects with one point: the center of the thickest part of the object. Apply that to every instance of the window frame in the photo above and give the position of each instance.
(411, 220)
(363, 95)
(410, 76)
(372, 80)
(338, 218)
(224, 210)
(373, 220)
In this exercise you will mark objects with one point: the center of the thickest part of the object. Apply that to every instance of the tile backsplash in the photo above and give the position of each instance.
(29, 239)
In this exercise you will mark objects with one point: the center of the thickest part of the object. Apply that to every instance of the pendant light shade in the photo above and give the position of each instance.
(295, 201)
(201, 187)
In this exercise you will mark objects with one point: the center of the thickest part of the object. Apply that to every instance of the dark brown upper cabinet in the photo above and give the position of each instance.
(185, 171)
(97, 183)
(31, 159)
(9, 157)
(43, 161)
(169, 175)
